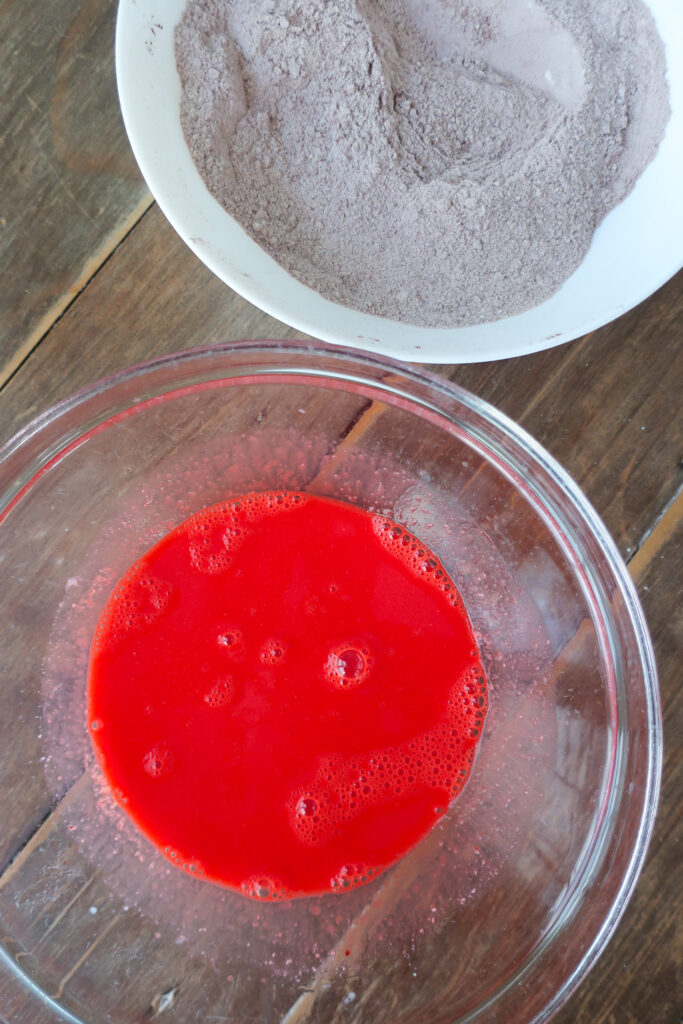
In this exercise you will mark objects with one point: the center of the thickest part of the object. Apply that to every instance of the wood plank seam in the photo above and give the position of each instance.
(43, 828)
(656, 535)
(84, 956)
(91, 270)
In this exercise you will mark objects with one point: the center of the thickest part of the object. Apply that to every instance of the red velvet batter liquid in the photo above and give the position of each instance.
(285, 694)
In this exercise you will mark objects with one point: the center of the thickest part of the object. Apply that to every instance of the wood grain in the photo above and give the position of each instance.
(69, 187)
(151, 298)
(94, 279)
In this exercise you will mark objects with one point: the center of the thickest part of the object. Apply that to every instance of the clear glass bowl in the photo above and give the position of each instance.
(500, 912)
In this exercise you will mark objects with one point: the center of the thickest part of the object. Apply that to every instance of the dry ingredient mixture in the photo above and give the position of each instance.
(438, 162)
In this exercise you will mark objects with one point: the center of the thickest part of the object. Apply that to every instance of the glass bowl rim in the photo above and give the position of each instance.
(405, 380)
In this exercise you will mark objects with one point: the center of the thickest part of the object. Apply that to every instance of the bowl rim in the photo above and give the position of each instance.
(646, 233)
(418, 386)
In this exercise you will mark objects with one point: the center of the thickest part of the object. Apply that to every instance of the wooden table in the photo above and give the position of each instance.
(94, 279)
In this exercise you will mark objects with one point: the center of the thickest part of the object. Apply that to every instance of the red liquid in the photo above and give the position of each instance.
(285, 694)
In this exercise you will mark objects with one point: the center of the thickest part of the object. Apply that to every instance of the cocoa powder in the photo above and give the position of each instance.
(438, 162)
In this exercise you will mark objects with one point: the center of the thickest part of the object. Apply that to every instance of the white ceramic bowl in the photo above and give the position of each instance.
(636, 249)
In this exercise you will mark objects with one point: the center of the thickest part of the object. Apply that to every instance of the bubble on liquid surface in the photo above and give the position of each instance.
(158, 761)
(409, 550)
(264, 887)
(306, 807)
(273, 652)
(347, 665)
(231, 641)
(309, 815)
(138, 600)
(437, 761)
(351, 875)
(221, 693)
(206, 537)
